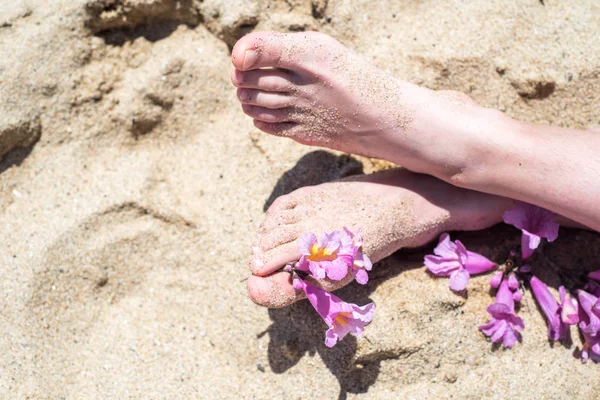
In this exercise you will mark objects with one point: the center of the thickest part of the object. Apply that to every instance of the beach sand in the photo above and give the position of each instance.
(132, 185)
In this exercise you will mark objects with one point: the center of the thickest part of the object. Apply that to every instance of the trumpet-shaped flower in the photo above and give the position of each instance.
(558, 315)
(569, 313)
(504, 324)
(590, 313)
(361, 263)
(341, 317)
(591, 348)
(535, 223)
(331, 256)
(454, 260)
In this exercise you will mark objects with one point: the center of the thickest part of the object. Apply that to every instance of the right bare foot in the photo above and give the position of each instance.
(309, 87)
(394, 209)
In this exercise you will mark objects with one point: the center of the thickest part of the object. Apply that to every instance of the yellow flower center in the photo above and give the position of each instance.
(321, 254)
(341, 319)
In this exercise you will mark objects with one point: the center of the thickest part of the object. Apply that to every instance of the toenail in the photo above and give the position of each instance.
(257, 263)
(255, 249)
(250, 58)
(244, 95)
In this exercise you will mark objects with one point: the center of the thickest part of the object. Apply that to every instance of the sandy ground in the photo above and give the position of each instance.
(132, 184)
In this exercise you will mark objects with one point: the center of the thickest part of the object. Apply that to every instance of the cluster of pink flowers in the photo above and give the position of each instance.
(334, 256)
(582, 311)
(578, 306)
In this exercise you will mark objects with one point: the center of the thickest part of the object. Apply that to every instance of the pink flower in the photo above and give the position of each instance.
(591, 348)
(454, 260)
(504, 324)
(331, 256)
(558, 315)
(589, 316)
(589, 325)
(360, 261)
(496, 279)
(569, 313)
(535, 223)
(341, 317)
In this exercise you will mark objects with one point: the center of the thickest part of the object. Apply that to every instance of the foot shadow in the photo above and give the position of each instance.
(312, 169)
(297, 330)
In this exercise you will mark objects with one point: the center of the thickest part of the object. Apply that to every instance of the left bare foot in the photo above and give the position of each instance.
(394, 209)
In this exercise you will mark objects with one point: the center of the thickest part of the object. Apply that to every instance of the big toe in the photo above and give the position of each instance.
(273, 291)
(293, 51)
(266, 262)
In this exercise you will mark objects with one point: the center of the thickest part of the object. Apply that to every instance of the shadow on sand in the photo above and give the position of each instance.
(297, 331)
(14, 158)
(312, 169)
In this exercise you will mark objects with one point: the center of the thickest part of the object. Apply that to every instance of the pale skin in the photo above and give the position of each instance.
(308, 87)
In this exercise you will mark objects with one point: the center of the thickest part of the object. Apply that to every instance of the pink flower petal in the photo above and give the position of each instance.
(595, 275)
(549, 307)
(510, 338)
(500, 331)
(589, 318)
(439, 266)
(305, 242)
(535, 222)
(513, 283)
(461, 251)
(338, 268)
(361, 276)
(316, 270)
(445, 248)
(331, 242)
(367, 263)
(477, 264)
(496, 279)
(529, 243)
(517, 295)
(459, 280)
(303, 264)
(570, 307)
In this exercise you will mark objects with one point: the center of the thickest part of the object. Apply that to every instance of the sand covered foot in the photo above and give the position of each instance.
(309, 87)
(394, 209)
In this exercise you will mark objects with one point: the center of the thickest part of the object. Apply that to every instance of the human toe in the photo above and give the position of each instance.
(269, 115)
(263, 262)
(273, 291)
(270, 49)
(271, 100)
(270, 80)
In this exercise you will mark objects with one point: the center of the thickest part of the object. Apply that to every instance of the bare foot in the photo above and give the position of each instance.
(309, 87)
(394, 209)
